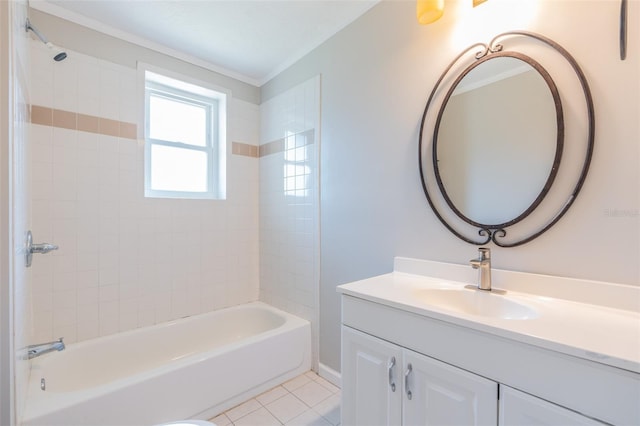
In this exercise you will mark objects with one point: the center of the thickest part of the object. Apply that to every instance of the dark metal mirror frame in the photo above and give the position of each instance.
(559, 138)
(494, 49)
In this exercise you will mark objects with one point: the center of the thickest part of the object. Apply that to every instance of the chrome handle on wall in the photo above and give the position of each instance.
(406, 382)
(43, 248)
(392, 364)
(32, 248)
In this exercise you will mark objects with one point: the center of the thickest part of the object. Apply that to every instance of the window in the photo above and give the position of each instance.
(184, 139)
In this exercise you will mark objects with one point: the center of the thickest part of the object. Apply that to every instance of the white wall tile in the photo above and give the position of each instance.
(69, 332)
(288, 244)
(88, 330)
(88, 85)
(131, 261)
(128, 101)
(88, 299)
(109, 91)
(65, 85)
(41, 74)
(88, 279)
(43, 301)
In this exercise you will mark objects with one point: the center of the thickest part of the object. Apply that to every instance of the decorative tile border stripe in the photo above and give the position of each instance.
(272, 147)
(239, 148)
(294, 141)
(86, 123)
(89, 123)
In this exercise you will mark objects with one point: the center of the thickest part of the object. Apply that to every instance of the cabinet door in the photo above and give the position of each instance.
(371, 384)
(521, 409)
(436, 393)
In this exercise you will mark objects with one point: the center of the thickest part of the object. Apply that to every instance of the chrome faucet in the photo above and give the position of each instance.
(483, 265)
(34, 351)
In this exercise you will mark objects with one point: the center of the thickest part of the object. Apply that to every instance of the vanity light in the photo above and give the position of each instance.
(428, 11)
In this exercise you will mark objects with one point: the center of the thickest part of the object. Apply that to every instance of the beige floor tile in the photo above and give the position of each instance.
(330, 409)
(289, 404)
(309, 418)
(243, 409)
(221, 420)
(286, 408)
(271, 395)
(260, 417)
(312, 393)
(311, 374)
(295, 383)
(327, 384)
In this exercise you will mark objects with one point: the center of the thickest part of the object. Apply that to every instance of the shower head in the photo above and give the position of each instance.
(59, 54)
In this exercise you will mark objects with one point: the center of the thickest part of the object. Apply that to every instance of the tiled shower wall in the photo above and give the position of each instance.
(126, 261)
(289, 201)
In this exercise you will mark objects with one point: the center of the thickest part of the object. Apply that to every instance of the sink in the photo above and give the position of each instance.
(477, 302)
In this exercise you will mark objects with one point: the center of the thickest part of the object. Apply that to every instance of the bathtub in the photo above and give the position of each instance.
(192, 368)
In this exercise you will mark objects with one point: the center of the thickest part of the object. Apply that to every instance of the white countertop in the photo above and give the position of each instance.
(605, 334)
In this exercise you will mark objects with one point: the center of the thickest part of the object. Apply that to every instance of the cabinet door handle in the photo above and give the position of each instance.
(392, 364)
(406, 381)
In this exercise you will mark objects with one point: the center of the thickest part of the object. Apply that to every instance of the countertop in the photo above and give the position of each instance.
(603, 334)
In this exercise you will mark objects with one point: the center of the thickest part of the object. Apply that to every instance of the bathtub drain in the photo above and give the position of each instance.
(43, 385)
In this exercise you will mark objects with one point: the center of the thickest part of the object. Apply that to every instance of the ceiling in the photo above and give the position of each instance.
(251, 40)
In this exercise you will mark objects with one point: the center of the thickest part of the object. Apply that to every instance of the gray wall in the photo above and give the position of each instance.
(376, 76)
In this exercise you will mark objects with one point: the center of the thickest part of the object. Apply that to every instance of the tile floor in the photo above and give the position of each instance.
(307, 400)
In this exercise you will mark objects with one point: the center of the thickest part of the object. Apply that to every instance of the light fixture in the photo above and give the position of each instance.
(428, 11)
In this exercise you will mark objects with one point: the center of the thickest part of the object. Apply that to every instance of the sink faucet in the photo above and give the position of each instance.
(483, 265)
(34, 351)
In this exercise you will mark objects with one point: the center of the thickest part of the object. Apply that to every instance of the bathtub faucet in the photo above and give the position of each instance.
(34, 351)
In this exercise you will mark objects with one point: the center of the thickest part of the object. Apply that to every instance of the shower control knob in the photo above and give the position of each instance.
(43, 248)
(32, 248)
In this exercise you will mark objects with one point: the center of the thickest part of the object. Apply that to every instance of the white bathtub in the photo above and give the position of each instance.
(192, 368)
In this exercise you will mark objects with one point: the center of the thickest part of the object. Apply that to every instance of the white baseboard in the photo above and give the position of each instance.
(330, 375)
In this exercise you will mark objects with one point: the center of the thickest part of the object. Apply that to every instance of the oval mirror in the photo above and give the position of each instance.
(492, 138)
(498, 139)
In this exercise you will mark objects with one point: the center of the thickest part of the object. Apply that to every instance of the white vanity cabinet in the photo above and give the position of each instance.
(385, 384)
(462, 376)
(371, 384)
(519, 409)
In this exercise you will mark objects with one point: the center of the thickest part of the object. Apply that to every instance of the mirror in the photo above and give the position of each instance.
(492, 138)
(497, 140)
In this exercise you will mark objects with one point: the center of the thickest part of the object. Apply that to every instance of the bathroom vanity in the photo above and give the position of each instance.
(421, 347)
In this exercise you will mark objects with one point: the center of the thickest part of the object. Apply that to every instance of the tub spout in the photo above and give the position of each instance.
(34, 351)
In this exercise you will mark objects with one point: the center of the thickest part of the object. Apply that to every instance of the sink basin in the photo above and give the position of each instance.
(477, 302)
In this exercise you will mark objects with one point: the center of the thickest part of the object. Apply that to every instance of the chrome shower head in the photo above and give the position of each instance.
(59, 54)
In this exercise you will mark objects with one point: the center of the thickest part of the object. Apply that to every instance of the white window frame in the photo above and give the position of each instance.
(181, 89)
